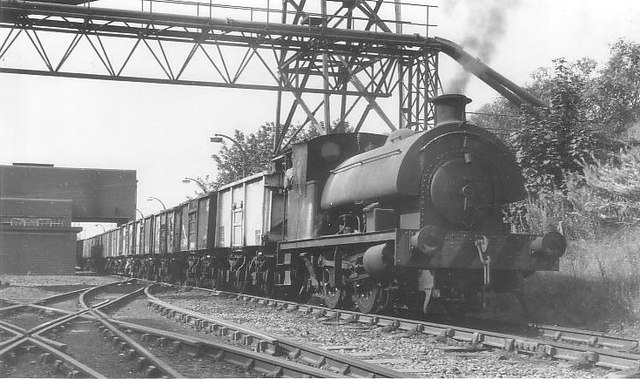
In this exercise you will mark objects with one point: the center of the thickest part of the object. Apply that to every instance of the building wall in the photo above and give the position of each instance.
(36, 237)
(97, 194)
(37, 253)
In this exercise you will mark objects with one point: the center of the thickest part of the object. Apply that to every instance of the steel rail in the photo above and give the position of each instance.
(595, 339)
(32, 337)
(58, 297)
(130, 346)
(260, 341)
(10, 341)
(274, 345)
(558, 349)
(61, 364)
(16, 335)
(34, 306)
(247, 359)
(84, 295)
(9, 301)
(38, 303)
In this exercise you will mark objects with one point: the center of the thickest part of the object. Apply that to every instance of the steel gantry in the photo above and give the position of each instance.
(342, 56)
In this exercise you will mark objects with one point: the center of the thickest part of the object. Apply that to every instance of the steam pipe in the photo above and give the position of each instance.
(502, 85)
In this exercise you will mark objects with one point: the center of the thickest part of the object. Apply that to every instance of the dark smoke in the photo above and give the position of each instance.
(484, 27)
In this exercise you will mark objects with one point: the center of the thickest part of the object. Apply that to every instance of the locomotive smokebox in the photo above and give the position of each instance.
(450, 108)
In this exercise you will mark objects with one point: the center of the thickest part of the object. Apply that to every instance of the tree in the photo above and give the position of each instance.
(499, 117)
(615, 95)
(553, 143)
(258, 147)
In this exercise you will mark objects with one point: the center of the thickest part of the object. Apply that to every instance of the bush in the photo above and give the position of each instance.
(598, 282)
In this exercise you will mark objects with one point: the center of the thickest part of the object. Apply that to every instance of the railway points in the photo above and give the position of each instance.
(68, 339)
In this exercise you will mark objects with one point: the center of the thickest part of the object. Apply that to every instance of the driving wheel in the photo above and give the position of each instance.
(367, 295)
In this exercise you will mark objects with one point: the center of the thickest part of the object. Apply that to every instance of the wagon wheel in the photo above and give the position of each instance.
(367, 295)
(333, 295)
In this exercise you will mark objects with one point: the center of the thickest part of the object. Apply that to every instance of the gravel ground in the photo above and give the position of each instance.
(30, 318)
(414, 354)
(27, 288)
(54, 280)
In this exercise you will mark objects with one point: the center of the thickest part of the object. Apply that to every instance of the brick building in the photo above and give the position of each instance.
(35, 236)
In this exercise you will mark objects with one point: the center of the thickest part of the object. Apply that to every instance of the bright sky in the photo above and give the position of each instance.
(163, 131)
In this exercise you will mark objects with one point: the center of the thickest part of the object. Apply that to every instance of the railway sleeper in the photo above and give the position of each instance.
(141, 364)
(312, 360)
(244, 362)
(152, 372)
(194, 350)
(130, 355)
(46, 358)
(74, 374)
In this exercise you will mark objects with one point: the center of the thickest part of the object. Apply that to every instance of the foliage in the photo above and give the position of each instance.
(615, 95)
(599, 283)
(616, 184)
(258, 147)
(499, 117)
(583, 101)
(618, 177)
(551, 144)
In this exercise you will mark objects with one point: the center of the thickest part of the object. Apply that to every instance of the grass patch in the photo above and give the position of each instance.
(598, 284)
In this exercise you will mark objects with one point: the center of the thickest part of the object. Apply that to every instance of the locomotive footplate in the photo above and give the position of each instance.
(431, 248)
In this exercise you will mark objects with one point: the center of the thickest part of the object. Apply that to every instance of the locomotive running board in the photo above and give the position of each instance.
(342, 240)
(458, 251)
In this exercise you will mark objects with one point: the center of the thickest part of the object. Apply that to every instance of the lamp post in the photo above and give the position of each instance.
(103, 229)
(198, 182)
(140, 213)
(217, 138)
(158, 200)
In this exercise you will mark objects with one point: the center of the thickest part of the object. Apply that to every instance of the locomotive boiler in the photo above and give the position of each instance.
(411, 221)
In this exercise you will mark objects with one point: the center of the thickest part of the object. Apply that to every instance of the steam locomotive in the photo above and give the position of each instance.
(411, 219)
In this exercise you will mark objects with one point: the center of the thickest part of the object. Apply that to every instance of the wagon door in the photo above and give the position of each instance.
(192, 220)
(237, 210)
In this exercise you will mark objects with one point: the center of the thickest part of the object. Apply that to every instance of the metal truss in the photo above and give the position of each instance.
(314, 59)
(412, 78)
(295, 56)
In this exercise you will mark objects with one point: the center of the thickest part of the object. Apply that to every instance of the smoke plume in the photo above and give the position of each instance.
(484, 26)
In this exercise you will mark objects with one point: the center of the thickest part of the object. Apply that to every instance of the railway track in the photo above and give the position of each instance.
(135, 350)
(330, 362)
(573, 345)
(29, 322)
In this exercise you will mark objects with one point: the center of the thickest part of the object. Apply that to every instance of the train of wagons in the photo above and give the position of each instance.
(409, 219)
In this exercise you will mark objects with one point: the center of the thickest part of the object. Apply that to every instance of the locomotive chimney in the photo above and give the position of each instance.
(450, 108)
